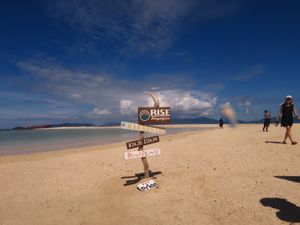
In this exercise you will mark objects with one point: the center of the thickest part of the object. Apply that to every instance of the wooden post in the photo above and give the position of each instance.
(144, 159)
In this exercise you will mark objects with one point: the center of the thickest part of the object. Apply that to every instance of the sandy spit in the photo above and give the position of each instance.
(215, 177)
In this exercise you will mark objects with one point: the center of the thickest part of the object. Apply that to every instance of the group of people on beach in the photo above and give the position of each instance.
(286, 112)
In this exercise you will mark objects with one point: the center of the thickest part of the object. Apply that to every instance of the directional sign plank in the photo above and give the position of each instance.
(139, 143)
(150, 184)
(141, 154)
(138, 127)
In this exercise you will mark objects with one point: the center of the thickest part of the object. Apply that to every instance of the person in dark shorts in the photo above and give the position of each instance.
(267, 120)
(221, 123)
(287, 112)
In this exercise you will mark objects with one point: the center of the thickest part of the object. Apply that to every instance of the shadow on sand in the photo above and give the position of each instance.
(288, 211)
(138, 177)
(274, 142)
(290, 178)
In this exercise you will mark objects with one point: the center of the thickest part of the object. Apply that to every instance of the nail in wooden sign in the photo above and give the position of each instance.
(154, 115)
(138, 127)
(141, 154)
(139, 143)
(150, 184)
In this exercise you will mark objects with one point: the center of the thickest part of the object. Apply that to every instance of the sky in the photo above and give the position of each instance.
(97, 60)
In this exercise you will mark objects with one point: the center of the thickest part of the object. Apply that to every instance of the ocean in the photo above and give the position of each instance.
(14, 142)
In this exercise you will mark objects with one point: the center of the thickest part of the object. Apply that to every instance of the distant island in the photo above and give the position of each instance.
(55, 126)
(199, 120)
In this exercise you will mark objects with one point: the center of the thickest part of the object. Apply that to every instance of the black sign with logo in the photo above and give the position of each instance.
(154, 115)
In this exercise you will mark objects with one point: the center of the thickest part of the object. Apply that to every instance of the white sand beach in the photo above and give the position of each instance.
(219, 176)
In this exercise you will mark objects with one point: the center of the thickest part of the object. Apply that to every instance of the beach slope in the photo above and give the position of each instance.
(223, 176)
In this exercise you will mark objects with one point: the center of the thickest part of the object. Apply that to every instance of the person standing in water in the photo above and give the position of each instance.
(221, 123)
(287, 112)
(267, 120)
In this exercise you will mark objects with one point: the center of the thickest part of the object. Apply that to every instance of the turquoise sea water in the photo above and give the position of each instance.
(14, 142)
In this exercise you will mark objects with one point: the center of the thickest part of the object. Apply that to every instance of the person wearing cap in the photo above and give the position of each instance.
(287, 110)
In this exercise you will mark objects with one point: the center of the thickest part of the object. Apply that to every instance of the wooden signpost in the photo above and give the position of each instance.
(147, 115)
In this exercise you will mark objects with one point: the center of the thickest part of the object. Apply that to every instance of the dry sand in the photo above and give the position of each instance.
(213, 177)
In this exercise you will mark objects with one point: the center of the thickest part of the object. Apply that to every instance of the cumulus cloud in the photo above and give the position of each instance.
(187, 103)
(183, 103)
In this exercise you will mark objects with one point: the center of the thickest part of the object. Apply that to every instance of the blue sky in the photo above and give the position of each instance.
(95, 61)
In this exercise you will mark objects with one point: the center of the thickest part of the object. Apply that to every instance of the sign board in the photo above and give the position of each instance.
(141, 154)
(154, 115)
(138, 127)
(150, 184)
(140, 143)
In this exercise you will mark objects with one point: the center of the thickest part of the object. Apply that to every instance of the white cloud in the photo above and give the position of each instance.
(99, 112)
(111, 96)
(225, 104)
(127, 107)
(187, 103)
(50, 69)
(155, 88)
(56, 80)
(75, 95)
(183, 103)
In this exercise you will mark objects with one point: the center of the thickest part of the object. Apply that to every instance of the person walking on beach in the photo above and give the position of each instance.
(287, 110)
(221, 123)
(267, 120)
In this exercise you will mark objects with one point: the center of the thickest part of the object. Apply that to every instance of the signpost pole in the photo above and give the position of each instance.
(144, 159)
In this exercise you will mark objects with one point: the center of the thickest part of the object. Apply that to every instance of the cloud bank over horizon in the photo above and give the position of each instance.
(62, 94)
(104, 96)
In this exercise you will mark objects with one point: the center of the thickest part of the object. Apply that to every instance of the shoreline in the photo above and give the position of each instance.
(119, 127)
(205, 127)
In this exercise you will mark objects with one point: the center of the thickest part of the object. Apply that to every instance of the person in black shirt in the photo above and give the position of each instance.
(221, 123)
(267, 120)
(287, 109)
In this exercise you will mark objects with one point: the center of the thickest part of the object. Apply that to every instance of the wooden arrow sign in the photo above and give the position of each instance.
(141, 154)
(138, 127)
(139, 143)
